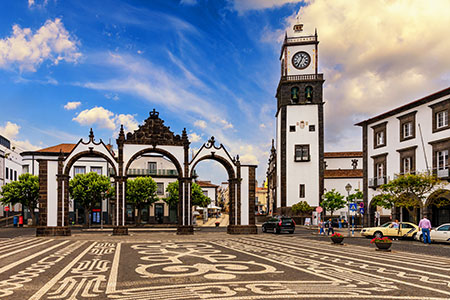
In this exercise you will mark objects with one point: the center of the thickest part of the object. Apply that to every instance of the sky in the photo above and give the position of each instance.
(210, 66)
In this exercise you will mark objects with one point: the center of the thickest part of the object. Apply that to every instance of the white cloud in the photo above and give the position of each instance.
(193, 137)
(97, 115)
(72, 105)
(106, 119)
(32, 3)
(27, 50)
(200, 124)
(11, 131)
(241, 6)
(226, 125)
(375, 56)
(112, 96)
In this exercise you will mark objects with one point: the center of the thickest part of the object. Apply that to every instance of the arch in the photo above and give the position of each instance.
(172, 158)
(90, 153)
(228, 167)
(437, 207)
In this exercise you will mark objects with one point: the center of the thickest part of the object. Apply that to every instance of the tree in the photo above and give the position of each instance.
(408, 191)
(333, 201)
(197, 196)
(89, 190)
(141, 191)
(358, 195)
(302, 207)
(24, 191)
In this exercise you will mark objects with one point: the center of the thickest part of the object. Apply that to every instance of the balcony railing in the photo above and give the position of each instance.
(305, 77)
(151, 172)
(302, 39)
(442, 173)
(377, 181)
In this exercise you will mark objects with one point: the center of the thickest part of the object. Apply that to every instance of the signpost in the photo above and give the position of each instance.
(7, 214)
(319, 210)
(353, 209)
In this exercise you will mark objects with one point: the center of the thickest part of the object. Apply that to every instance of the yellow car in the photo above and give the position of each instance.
(404, 229)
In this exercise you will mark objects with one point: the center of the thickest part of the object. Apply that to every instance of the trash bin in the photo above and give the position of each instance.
(20, 221)
(15, 220)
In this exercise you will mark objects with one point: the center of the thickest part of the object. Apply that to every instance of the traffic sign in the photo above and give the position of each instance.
(319, 209)
(361, 204)
(6, 208)
(361, 210)
(353, 206)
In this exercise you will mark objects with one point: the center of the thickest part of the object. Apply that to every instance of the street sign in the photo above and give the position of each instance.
(353, 206)
(319, 209)
(361, 210)
(361, 204)
(6, 208)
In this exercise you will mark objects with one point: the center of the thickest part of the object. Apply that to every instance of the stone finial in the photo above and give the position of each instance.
(91, 135)
(121, 133)
(154, 114)
(211, 141)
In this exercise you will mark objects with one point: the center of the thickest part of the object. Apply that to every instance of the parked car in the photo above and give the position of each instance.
(404, 230)
(439, 234)
(279, 224)
(335, 223)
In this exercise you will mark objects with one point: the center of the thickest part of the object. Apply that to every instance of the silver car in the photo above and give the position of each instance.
(438, 234)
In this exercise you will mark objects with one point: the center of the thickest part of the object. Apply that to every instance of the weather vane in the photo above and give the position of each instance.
(298, 27)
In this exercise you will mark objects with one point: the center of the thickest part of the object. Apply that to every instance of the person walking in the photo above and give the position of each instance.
(339, 223)
(330, 227)
(425, 226)
(321, 227)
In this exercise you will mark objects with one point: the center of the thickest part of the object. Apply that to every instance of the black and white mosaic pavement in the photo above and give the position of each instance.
(213, 266)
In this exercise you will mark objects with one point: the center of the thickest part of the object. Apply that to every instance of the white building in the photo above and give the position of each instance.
(411, 138)
(299, 133)
(209, 190)
(10, 167)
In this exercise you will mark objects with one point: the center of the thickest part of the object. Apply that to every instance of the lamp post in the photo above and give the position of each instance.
(348, 188)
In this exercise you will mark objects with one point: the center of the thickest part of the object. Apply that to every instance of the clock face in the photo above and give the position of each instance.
(301, 60)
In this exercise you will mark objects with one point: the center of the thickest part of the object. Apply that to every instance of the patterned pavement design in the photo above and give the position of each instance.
(213, 266)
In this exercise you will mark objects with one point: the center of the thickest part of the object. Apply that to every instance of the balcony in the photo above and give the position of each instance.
(442, 173)
(377, 181)
(151, 172)
(303, 39)
(305, 77)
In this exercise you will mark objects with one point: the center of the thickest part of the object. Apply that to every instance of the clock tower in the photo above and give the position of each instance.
(300, 128)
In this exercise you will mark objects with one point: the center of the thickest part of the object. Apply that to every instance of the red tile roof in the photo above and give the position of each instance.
(206, 184)
(65, 148)
(261, 189)
(343, 154)
(351, 173)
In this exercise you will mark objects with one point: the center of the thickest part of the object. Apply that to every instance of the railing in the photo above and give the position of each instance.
(442, 173)
(302, 39)
(377, 181)
(305, 77)
(157, 172)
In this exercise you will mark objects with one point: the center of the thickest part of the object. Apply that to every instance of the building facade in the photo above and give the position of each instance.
(299, 119)
(411, 138)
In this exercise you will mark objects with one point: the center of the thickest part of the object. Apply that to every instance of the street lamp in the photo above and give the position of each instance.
(348, 188)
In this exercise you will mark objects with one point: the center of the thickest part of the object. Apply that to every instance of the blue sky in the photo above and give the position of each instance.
(209, 66)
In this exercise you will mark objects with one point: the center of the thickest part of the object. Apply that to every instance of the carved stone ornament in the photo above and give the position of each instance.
(154, 132)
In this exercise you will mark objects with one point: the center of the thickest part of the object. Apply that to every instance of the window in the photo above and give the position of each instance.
(292, 128)
(7, 172)
(380, 170)
(79, 170)
(312, 127)
(295, 97)
(407, 165)
(160, 189)
(442, 119)
(309, 93)
(379, 135)
(97, 170)
(11, 171)
(302, 153)
(302, 191)
(15, 175)
(152, 167)
(379, 138)
(407, 130)
(442, 159)
(440, 115)
(26, 169)
(444, 228)
(205, 192)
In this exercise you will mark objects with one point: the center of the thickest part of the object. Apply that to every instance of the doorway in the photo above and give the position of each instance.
(159, 213)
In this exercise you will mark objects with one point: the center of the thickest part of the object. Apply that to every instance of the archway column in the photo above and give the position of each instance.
(120, 206)
(184, 207)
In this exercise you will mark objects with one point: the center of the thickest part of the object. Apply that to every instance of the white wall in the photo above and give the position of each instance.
(244, 195)
(343, 163)
(292, 50)
(52, 194)
(302, 172)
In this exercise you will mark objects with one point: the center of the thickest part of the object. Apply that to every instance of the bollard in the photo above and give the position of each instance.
(20, 221)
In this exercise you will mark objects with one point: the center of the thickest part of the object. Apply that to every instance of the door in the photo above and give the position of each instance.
(391, 231)
(407, 230)
(159, 213)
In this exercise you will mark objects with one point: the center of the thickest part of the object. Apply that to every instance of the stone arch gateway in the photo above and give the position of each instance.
(151, 137)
